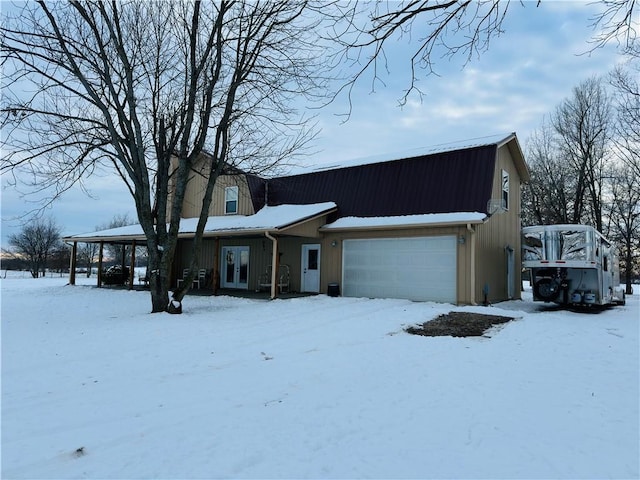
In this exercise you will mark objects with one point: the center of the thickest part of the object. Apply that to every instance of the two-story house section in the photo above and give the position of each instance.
(434, 224)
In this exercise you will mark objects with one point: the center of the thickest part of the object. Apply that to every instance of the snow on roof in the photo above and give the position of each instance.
(498, 139)
(348, 223)
(268, 218)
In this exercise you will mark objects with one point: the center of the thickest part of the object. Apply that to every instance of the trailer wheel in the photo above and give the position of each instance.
(547, 289)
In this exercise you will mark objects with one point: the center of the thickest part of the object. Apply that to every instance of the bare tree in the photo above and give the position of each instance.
(35, 243)
(568, 159)
(448, 28)
(624, 80)
(625, 213)
(617, 21)
(548, 196)
(143, 88)
(625, 216)
(583, 124)
(116, 251)
(87, 255)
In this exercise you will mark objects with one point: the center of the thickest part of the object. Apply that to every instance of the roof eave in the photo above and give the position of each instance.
(512, 143)
(115, 239)
(455, 223)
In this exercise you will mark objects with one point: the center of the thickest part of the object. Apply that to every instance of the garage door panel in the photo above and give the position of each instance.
(419, 268)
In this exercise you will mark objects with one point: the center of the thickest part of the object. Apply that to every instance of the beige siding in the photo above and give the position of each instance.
(499, 232)
(196, 188)
(260, 256)
(307, 229)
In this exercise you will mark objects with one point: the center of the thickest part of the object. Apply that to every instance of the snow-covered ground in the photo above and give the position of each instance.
(93, 386)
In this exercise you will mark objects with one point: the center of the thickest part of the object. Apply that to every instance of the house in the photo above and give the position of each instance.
(438, 224)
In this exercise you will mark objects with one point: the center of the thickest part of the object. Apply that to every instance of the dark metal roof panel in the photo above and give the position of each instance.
(458, 181)
(257, 187)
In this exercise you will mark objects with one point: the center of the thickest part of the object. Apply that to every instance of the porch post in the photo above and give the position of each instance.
(133, 264)
(100, 263)
(215, 273)
(72, 267)
(275, 259)
(124, 256)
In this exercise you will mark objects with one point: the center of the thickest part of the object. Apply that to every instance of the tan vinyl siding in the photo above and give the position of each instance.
(500, 231)
(260, 255)
(308, 229)
(196, 188)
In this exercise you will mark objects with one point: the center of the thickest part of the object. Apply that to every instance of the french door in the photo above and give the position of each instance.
(235, 267)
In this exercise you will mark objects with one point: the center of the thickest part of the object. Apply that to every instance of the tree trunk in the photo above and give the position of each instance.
(158, 283)
(629, 269)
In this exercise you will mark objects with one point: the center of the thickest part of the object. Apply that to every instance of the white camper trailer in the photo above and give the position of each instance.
(571, 265)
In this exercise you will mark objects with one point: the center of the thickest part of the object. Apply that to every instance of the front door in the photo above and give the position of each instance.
(310, 268)
(235, 267)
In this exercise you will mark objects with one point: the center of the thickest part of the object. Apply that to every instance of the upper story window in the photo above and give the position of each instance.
(505, 189)
(231, 200)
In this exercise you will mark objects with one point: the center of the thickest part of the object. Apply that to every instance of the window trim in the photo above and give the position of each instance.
(504, 189)
(229, 194)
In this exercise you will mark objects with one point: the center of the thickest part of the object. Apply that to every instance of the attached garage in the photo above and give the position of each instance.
(415, 268)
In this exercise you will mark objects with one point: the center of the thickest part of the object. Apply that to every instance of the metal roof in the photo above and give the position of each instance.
(452, 181)
(446, 178)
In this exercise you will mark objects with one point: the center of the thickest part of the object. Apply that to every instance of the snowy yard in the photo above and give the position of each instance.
(93, 386)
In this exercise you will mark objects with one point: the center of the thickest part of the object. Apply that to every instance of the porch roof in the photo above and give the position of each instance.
(268, 219)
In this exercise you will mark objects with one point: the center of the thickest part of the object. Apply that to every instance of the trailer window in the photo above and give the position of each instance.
(532, 246)
(573, 245)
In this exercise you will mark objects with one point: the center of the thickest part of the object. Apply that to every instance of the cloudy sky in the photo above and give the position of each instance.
(527, 72)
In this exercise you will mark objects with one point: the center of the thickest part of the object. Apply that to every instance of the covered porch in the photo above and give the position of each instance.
(274, 253)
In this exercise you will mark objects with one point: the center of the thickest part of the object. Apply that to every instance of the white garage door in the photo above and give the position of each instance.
(420, 268)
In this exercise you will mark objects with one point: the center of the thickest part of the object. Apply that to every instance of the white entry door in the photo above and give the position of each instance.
(310, 276)
(235, 267)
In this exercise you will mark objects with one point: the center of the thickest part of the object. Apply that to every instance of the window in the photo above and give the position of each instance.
(505, 189)
(231, 200)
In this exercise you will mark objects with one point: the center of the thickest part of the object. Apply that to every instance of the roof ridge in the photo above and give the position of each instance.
(483, 141)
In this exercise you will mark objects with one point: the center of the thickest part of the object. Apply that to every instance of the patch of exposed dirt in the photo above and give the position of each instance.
(458, 324)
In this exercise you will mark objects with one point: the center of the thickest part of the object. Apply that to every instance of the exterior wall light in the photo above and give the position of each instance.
(461, 239)
(334, 243)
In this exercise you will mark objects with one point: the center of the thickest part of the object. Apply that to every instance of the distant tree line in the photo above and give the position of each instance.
(38, 248)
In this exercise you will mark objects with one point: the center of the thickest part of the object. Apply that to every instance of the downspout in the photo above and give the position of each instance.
(472, 266)
(274, 264)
